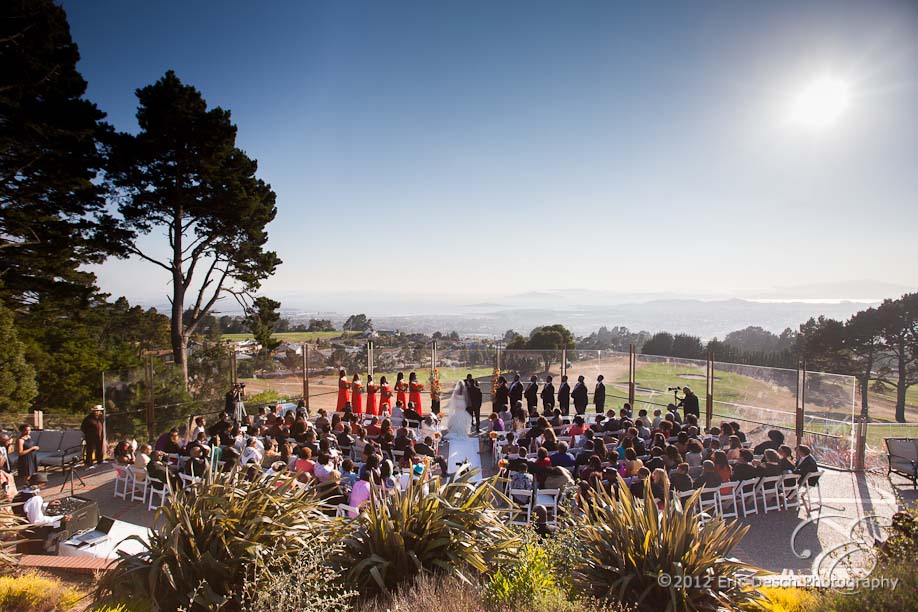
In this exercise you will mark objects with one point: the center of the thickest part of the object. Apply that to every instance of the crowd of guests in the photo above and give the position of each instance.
(665, 452)
(341, 454)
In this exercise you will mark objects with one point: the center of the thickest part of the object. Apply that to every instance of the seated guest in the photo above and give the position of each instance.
(348, 473)
(251, 453)
(656, 459)
(28, 504)
(124, 452)
(199, 427)
(806, 463)
(169, 443)
(541, 464)
(195, 466)
(158, 469)
(323, 467)
(744, 468)
(497, 424)
(540, 522)
(786, 460)
(398, 412)
(558, 478)
(425, 448)
(735, 447)
(593, 468)
(659, 484)
(642, 479)
(578, 427)
(771, 464)
(304, 464)
(141, 460)
(775, 440)
(373, 429)
(230, 458)
(693, 453)
(322, 420)
(511, 448)
(679, 479)
(736, 431)
(722, 466)
(362, 490)
(562, 458)
(708, 478)
(632, 464)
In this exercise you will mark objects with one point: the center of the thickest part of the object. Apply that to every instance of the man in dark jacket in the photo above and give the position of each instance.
(532, 396)
(92, 432)
(475, 399)
(580, 395)
(516, 390)
(501, 395)
(689, 403)
(548, 395)
(599, 395)
(806, 463)
(564, 396)
(743, 468)
(708, 478)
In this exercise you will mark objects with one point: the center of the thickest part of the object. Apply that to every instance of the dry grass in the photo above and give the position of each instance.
(33, 592)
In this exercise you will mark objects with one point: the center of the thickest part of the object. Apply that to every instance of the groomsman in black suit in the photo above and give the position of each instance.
(580, 395)
(501, 399)
(564, 396)
(548, 395)
(532, 396)
(516, 390)
(599, 395)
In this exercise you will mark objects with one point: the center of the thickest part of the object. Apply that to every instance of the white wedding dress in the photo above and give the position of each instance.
(460, 421)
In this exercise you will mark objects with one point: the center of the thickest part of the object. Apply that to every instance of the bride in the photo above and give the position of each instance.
(460, 421)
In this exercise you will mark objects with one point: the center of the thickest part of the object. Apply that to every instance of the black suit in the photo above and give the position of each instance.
(690, 405)
(564, 398)
(501, 398)
(475, 399)
(744, 471)
(581, 397)
(599, 397)
(548, 396)
(806, 465)
(516, 392)
(532, 397)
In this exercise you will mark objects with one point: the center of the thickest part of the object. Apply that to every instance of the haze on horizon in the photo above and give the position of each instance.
(488, 149)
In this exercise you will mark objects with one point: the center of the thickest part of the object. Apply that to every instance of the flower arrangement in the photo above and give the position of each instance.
(492, 435)
(435, 384)
(494, 378)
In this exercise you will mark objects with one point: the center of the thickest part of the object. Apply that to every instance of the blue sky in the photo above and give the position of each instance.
(489, 148)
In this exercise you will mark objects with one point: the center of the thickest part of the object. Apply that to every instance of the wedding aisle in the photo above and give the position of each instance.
(462, 450)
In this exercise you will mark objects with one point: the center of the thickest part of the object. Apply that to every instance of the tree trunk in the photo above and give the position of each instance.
(177, 331)
(865, 387)
(902, 385)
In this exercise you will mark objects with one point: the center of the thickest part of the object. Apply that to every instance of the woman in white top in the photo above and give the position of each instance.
(141, 459)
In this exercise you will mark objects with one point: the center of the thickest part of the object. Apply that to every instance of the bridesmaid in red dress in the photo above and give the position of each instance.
(344, 394)
(357, 397)
(371, 397)
(414, 392)
(385, 396)
(401, 390)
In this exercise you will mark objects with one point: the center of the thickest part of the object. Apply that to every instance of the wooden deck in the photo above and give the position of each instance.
(77, 565)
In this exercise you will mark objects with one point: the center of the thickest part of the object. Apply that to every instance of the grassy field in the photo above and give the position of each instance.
(294, 336)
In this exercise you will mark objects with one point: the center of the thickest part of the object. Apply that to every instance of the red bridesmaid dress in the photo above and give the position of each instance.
(385, 398)
(414, 396)
(344, 394)
(401, 394)
(357, 402)
(371, 399)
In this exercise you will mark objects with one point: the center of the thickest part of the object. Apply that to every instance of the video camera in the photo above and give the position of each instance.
(675, 389)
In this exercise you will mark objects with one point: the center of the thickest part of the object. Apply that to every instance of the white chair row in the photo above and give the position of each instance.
(135, 484)
(742, 498)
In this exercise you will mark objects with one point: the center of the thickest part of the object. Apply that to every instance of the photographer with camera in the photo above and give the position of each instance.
(689, 403)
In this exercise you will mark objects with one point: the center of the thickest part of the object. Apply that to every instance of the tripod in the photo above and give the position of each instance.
(68, 477)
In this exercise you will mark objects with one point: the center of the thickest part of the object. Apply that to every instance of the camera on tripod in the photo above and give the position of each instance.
(674, 389)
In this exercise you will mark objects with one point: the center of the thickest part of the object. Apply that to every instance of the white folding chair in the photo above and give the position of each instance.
(519, 508)
(748, 490)
(125, 477)
(189, 480)
(683, 497)
(162, 492)
(811, 481)
(770, 489)
(790, 489)
(709, 502)
(343, 511)
(141, 481)
(729, 507)
(551, 499)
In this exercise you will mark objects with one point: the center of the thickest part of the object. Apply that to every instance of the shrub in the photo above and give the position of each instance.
(316, 587)
(628, 544)
(212, 536)
(528, 578)
(31, 592)
(899, 595)
(454, 527)
(779, 599)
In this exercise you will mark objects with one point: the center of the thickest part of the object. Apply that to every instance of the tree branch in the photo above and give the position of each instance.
(133, 249)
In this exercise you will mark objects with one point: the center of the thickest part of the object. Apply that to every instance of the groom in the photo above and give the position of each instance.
(473, 403)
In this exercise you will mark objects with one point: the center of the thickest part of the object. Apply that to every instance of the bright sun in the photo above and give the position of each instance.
(822, 102)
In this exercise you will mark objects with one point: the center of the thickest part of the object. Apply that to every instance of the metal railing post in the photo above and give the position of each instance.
(632, 363)
(709, 391)
(306, 374)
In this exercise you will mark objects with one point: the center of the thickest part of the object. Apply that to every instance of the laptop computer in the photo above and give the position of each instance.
(99, 534)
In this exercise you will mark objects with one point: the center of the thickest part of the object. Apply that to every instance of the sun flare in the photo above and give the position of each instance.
(822, 102)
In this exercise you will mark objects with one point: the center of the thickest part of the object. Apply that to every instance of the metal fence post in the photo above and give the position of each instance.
(860, 443)
(370, 358)
(801, 401)
(303, 350)
(632, 362)
(151, 397)
(709, 391)
(564, 361)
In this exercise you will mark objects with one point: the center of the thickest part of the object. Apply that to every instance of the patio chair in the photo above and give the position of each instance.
(770, 491)
(903, 458)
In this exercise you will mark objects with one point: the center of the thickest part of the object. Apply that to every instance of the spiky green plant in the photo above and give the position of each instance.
(11, 528)
(453, 526)
(211, 536)
(629, 544)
